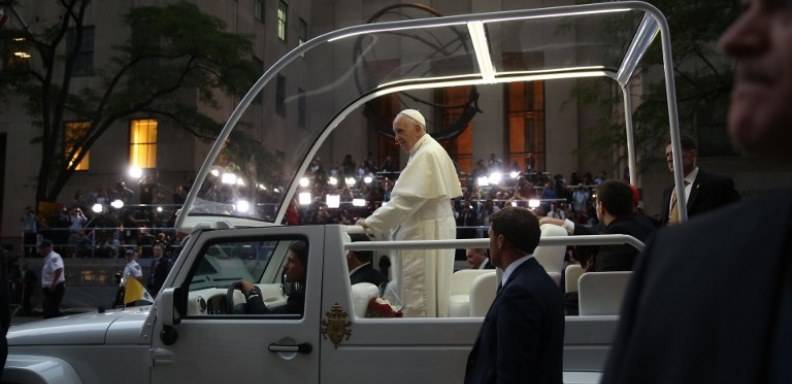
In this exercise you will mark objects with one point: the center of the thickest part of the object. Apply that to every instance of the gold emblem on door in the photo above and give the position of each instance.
(336, 325)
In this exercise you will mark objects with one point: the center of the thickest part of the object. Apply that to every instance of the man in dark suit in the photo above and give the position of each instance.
(704, 191)
(521, 340)
(711, 300)
(360, 268)
(616, 215)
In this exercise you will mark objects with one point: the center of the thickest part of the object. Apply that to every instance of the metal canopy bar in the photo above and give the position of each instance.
(647, 31)
(484, 243)
(479, 38)
(461, 20)
(489, 17)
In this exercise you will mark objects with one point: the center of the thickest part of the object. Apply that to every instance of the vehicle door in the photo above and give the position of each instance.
(386, 350)
(216, 339)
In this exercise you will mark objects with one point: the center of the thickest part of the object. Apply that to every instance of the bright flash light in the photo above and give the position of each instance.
(495, 177)
(332, 181)
(333, 201)
(514, 174)
(117, 204)
(359, 202)
(135, 172)
(262, 187)
(215, 172)
(304, 182)
(483, 181)
(242, 206)
(513, 203)
(97, 208)
(240, 182)
(304, 198)
(368, 179)
(276, 190)
(22, 54)
(159, 209)
(534, 203)
(228, 178)
(350, 182)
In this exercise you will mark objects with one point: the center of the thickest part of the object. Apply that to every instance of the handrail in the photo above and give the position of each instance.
(484, 243)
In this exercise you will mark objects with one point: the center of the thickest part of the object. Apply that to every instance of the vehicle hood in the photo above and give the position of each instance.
(122, 326)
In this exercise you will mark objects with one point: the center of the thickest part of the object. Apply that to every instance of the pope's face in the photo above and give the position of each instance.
(407, 132)
(759, 42)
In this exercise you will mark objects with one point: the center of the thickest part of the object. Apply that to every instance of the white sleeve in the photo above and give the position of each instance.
(57, 263)
(394, 212)
(569, 225)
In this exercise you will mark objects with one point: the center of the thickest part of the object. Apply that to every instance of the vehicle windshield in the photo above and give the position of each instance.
(253, 173)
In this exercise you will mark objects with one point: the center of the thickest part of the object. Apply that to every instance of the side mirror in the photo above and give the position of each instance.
(167, 311)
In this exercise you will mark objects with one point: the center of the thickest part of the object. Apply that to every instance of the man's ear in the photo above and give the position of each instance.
(500, 240)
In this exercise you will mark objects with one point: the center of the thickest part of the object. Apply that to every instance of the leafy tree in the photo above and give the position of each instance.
(703, 82)
(171, 51)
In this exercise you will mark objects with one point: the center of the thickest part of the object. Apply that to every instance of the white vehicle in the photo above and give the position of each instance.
(197, 332)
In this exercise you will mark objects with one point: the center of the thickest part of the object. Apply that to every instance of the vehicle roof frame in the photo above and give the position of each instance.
(653, 24)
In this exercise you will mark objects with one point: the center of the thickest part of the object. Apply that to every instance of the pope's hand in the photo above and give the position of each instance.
(362, 223)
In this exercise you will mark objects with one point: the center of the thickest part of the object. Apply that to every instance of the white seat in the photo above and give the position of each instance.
(551, 258)
(459, 290)
(483, 293)
(601, 293)
(571, 277)
(362, 293)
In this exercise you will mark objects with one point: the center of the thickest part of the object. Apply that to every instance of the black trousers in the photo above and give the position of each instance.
(52, 300)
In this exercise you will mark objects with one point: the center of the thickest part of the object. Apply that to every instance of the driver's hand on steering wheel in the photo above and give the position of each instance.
(246, 287)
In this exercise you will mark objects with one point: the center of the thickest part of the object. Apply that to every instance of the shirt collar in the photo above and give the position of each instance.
(510, 269)
(418, 144)
(691, 177)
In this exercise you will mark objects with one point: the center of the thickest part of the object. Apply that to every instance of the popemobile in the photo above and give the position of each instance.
(202, 327)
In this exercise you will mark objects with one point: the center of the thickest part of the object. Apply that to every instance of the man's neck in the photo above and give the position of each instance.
(607, 219)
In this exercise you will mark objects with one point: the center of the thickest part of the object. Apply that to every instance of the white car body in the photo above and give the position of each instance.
(124, 346)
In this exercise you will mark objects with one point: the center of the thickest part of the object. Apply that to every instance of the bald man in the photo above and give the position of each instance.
(420, 209)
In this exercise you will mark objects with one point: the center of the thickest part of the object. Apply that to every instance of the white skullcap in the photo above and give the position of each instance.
(413, 114)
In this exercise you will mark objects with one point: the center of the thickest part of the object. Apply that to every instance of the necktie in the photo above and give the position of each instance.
(673, 213)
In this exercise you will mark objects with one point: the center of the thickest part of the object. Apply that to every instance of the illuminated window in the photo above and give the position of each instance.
(460, 148)
(72, 133)
(143, 143)
(526, 124)
(283, 9)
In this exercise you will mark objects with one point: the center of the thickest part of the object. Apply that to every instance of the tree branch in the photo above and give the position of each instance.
(184, 124)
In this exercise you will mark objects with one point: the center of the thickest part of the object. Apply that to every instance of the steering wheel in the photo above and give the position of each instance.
(229, 299)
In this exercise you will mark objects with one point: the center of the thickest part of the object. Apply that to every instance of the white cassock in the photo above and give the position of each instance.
(420, 209)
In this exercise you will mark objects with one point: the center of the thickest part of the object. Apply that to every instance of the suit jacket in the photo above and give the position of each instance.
(709, 191)
(618, 257)
(703, 298)
(521, 340)
(367, 274)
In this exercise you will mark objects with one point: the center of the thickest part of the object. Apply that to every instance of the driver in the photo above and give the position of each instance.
(294, 272)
